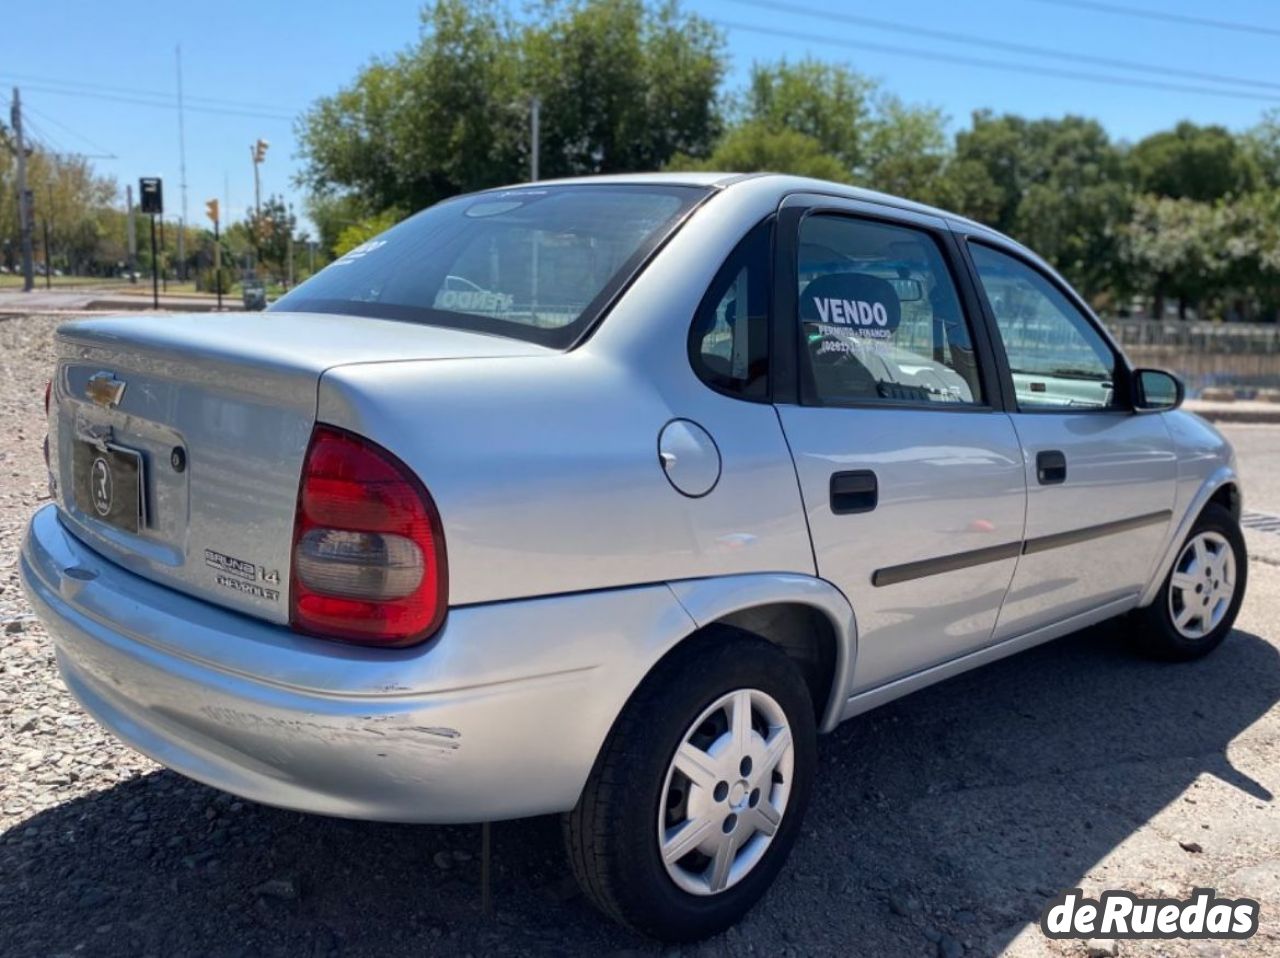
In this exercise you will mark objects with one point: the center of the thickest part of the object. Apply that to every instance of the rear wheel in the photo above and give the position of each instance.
(1200, 598)
(699, 792)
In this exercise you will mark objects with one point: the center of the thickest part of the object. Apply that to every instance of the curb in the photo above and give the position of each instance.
(1237, 412)
(141, 304)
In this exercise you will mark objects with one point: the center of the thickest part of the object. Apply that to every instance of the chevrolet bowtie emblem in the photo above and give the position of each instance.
(104, 389)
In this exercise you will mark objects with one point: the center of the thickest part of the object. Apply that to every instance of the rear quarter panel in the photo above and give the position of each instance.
(546, 474)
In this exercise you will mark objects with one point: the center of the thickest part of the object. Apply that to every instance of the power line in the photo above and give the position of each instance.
(161, 104)
(986, 64)
(105, 154)
(972, 40)
(1180, 18)
(136, 91)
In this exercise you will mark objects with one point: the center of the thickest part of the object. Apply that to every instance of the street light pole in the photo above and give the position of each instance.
(535, 131)
(24, 195)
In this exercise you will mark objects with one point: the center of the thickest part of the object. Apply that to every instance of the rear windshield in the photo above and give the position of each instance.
(534, 263)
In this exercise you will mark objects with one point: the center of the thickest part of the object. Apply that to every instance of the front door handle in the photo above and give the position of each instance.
(1051, 467)
(855, 491)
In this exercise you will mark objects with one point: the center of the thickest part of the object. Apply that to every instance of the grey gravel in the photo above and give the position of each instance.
(1073, 765)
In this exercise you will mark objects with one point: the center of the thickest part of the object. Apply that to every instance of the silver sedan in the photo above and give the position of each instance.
(603, 498)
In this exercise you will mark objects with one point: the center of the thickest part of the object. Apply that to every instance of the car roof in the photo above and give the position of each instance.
(785, 183)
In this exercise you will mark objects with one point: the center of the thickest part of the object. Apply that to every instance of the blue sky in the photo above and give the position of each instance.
(276, 58)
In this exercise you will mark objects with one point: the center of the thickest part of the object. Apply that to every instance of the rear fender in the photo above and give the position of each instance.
(709, 600)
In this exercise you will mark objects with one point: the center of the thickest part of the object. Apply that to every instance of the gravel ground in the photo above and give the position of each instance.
(941, 824)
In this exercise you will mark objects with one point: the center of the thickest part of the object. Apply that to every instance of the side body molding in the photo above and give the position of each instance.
(707, 600)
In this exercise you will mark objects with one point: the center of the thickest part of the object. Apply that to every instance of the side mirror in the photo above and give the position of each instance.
(1156, 390)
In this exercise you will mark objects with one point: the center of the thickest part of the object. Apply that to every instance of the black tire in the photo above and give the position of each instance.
(1155, 634)
(612, 834)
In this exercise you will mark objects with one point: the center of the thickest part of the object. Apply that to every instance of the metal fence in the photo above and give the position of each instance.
(1204, 353)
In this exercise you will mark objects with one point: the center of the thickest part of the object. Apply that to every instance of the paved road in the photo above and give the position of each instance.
(1258, 459)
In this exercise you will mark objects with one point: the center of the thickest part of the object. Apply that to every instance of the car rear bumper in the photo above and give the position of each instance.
(499, 716)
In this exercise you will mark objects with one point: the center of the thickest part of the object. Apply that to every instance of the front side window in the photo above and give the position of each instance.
(535, 263)
(880, 318)
(729, 340)
(1057, 357)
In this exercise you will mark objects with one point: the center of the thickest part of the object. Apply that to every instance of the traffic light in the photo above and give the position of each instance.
(211, 210)
(260, 151)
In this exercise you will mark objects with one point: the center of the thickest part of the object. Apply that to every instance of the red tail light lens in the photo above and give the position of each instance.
(368, 551)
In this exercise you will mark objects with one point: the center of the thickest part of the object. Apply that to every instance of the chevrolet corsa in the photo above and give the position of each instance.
(604, 497)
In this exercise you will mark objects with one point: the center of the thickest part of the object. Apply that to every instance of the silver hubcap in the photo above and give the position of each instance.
(725, 792)
(1202, 585)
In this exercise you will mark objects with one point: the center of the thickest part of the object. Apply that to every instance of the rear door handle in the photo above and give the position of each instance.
(1051, 467)
(855, 491)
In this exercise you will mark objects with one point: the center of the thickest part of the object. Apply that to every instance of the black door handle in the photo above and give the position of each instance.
(855, 491)
(1051, 467)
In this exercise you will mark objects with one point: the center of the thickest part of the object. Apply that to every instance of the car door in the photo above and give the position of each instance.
(910, 472)
(1100, 477)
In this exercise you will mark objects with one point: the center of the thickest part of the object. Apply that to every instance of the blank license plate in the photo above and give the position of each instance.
(109, 485)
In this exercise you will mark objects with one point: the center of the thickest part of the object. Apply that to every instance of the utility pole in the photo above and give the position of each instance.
(155, 288)
(48, 263)
(258, 152)
(182, 173)
(131, 229)
(24, 195)
(164, 270)
(289, 223)
(211, 210)
(535, 131)
(151, 196)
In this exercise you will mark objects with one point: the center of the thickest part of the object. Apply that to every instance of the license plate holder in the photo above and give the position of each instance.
(110, 484)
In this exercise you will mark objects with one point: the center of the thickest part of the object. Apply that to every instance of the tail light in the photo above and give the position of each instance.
(368, 551)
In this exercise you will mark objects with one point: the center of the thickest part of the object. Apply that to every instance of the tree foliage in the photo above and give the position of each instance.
(1202, 163)
(1056, 184)
(1190, 214)
(622, 87)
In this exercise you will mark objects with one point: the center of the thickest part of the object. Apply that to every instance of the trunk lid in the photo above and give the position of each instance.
(214, 413)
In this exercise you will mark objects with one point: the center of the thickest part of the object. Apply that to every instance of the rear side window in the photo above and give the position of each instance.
(729, 339)
(880, 318)
(535, 263)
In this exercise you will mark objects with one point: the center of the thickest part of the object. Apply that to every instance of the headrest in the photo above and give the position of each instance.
(864, 303)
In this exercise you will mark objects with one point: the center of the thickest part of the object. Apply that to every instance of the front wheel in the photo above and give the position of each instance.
(699, 792)
(1200, 598)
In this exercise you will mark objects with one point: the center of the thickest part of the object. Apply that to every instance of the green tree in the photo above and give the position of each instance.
(1057, 185)
(1262, 147)
(1201, 163)
(431, 121)
(270, 231)
(754, 146)
(1176, 244)
(817, 119)
(364, 230)
(623, 87)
